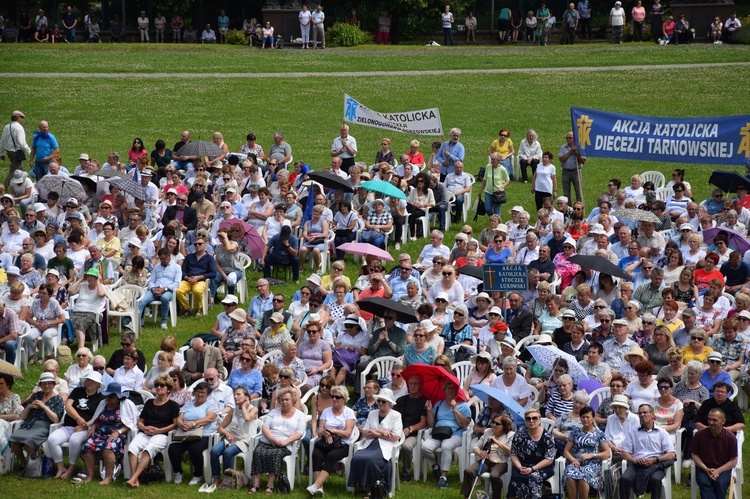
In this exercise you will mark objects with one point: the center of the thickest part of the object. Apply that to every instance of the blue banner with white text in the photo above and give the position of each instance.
(715, 140)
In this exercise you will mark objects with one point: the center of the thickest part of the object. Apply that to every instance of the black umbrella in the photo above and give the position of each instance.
(728, 181)
(598, 263)
(200, 148)
(66, 187)
(472, 270)
(331, 180)
(88, 182)
(378, 306)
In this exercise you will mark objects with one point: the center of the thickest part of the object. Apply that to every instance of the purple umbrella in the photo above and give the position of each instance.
(736, 240)
(253, 240)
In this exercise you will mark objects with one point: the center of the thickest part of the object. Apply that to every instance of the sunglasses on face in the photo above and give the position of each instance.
(159, 385)
(324, 386)
(337, 397)
(284, 376)
(531, 418)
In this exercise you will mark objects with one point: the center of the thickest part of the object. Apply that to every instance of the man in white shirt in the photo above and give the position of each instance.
(318, 27)
(530, 252)
(152, 192)
(345, 147)
(208, 35)
(459, 183)
(732, 24)
(12, 238)
(13, 143)
(620, 248)
(434, 249)
(221, 394)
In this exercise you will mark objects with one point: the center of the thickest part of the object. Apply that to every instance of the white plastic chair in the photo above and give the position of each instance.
(663, 193)
(57, 341)
(382, 366)
(245, 262)
(534, 397)
(467, 198)
(395, 476)
(599, 394)
(345, 461)
(172, 309)
(133, 295)
(290, 461)
(463, 370)
(205, 304)
(461, 453)
(653, 176)
(22, 361)
(270, 357)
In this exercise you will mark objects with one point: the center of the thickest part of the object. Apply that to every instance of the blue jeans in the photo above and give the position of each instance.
(713, 490)
(228, 452)
(447, 36)
(182, 165)
(70, 35)
(166, 297)
(508, 164)
(39, 169)
(442, 209)
(490, 206)
(10, 351)
(219, 279)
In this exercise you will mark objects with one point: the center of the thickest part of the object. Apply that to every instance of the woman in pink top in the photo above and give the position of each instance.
(639, 15)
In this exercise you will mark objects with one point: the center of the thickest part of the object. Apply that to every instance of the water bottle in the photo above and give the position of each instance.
(291, 39)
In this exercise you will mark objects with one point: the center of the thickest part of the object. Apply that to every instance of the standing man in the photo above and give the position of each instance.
(281, 151)
(13, 142)
(649, 451)
(318, 27)
(345, 148)
(714, 451)
(450, 152)
(584, 10)
(569, 156)
(69, 22)
(43, 146)
(570, 24)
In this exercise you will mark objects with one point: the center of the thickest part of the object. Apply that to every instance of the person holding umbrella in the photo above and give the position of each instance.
(493, 450)
(448, 419)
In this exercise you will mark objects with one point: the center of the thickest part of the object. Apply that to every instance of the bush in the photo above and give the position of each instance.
(236, 37)
(742, 36)
(646, 32)
(346, 35)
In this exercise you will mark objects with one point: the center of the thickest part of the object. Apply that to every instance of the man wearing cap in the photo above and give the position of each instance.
(681, 337)
(163, 282)
(520, 321)
(13, 144)
(620, 423)
(616, 348)
(43, 146)
(714, 451)
(281, 249)
(230, 303)
(200, 359)
(735, 419)
(83, 165)
(239, 209)
(145, 180)
(260, 303)
(9, 328)
(198, 269)
(649, 293)
(648, 450)
(434, 249)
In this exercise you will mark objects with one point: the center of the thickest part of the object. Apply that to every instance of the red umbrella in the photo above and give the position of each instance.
(253, 240)
(433, 380)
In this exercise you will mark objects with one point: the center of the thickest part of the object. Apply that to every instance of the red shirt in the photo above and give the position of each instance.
(368, 293)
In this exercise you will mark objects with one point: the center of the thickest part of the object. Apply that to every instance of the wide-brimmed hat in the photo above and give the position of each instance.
(53, 272)
(385, 394)
(315, 279)
(239, 315)
(495, 310)
(352, 320)
(634, 351)
(114, 388)
(13, 270)
(39, 207)
(134, 242)
(508, 341)
(442, 296)
(427, 325)
(482, 295)
(19, 177)
(502, 228)
(570, 241)
(483, 355)
(620, 401)
(544, 339)
(45, 377)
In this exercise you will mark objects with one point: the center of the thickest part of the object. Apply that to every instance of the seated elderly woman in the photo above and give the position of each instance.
(494, 448)
(10, 407)
(45, 315)
(448, 419)
(290, 359)
(281, 429)
(585, 449)
(81, 368)
(163, 366)
(44, 408)
(381, 432)
(247, 376)
(157, 419)
(113, 418)
(129, 375)
(513, 383)
(196, 422)
(532, 454)
(335, 435)
(567, 422)
(561, 401)
(79, 410)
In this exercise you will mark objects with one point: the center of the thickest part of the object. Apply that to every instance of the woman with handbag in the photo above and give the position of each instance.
(382, 431)
(196, 422)
(335, 435)
(448, 419)
(493, 185)
(235, 435)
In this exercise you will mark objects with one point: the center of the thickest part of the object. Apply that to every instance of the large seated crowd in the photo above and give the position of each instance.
(663, 349)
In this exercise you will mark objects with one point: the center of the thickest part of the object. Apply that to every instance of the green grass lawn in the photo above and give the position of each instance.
(98, 114)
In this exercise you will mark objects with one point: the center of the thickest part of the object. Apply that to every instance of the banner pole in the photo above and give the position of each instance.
(580, 182)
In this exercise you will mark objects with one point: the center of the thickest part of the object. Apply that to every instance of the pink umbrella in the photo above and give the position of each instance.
(365, 249)
(253, 240)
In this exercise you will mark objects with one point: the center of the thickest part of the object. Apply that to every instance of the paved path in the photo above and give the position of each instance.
(196, 75)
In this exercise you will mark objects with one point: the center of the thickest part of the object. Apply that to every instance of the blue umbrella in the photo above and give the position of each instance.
(483, 392)
(383, 187)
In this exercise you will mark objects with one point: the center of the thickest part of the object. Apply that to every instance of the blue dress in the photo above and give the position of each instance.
(530, 452)
(590, 470)
(109, 421)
